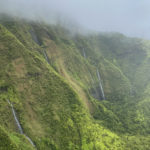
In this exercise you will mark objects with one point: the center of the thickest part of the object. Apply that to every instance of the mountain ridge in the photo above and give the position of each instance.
(55, 88)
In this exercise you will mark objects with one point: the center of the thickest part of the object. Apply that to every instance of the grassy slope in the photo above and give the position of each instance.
(50, 111)
(13, 141)
(118, 74)
(45, 103)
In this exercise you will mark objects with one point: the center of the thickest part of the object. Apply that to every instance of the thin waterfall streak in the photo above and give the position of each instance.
(30, 141)
(84, 55)
(16, 119)
(18, 124)
(100, 84)
(45, 55)
(34, 37)
(93, 85)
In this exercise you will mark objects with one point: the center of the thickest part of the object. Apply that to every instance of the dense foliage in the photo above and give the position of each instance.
(50, 76)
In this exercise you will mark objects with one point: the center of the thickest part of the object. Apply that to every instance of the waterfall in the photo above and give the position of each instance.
(18, 123)
(34, 37)
(15, 117)
(100, 84)
(30, 141)
(45, 55)
(94, 88)
(84, 55)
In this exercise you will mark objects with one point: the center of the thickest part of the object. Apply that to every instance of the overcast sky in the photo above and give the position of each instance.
(131, 17)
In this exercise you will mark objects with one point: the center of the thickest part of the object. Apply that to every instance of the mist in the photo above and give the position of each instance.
(131, 18)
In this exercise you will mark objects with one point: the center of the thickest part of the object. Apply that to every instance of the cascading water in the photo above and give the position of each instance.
(99, 78)
(30, 141)
(45, 55)
(15, 117)
(100, 84)
(18, 123)
(34, 36)
(84, 55)
(94, 86)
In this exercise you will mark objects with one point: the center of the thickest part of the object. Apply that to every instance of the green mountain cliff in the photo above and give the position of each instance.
(51, 78)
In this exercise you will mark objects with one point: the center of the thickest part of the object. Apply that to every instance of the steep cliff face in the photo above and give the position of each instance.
(72, 91)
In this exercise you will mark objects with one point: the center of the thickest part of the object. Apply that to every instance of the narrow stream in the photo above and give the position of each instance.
(100, 84)
(18, 123)
(84, 55)
(94, 88)
(46, 57)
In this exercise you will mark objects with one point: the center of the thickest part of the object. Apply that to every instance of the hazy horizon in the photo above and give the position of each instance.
(131, 18)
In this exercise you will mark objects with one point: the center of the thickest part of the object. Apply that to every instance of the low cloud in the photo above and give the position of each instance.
(129, 17)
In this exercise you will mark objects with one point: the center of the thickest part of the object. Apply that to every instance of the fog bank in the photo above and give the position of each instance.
(129, 17)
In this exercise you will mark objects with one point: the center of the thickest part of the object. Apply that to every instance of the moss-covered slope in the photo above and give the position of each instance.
(49, 110)
(51, 78)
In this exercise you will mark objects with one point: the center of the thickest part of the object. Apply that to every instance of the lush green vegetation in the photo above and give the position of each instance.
(13, 141)
(59, 103)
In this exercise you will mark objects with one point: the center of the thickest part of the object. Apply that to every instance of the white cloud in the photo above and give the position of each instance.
(131, 17)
